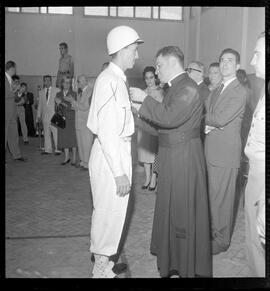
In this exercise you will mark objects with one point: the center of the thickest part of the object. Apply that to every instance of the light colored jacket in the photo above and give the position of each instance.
(46, 108)
(84, 101)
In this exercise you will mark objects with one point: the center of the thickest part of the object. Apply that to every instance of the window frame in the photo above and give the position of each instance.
(105, 16)
(39, 11)
(134, 17)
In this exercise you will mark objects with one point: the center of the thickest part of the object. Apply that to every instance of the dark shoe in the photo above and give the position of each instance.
(153, 188)
(26, 142)
(45, 153)
(84, 169)
(92, 258)
(66, 162)
(217, 249)
(21, 159)
(119, 268)
(145, 187)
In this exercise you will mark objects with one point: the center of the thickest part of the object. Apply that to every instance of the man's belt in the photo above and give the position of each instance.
(175, 138)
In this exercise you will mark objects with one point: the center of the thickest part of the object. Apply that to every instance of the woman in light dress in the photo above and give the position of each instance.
(148, 143)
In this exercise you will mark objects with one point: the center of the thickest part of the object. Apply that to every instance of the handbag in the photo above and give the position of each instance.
(58, 120)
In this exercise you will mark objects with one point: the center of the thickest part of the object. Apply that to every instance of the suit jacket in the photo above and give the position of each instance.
(223, 146)
(46, 109)
(9, 101)
(84, 101)
(204, 92)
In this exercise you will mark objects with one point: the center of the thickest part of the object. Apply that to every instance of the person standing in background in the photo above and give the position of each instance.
(29, 101)
(214, 76)
(84, 135)
(196, 72)
(66, 137)
(11, 129)
(255, 188)
(20, 111)
(225, 109)
(148, 143)
(46, 110)
(66, 64)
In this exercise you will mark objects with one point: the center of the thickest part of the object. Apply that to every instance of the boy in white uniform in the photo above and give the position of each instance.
(110, 166)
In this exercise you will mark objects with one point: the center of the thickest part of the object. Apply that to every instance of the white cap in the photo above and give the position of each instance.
(120, 37)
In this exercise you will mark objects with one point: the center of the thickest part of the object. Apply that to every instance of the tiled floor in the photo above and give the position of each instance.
(48, 223)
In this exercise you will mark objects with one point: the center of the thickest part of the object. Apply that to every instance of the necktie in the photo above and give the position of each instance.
(216, 94)
(47, 94)
(166, 87)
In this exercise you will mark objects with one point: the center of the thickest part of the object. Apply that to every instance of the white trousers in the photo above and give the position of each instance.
(48, 129)
(109, 210)
(254, 250)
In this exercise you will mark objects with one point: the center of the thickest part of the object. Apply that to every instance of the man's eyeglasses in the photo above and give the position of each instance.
(191, 69)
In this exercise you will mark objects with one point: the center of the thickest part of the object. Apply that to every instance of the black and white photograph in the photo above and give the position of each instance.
(135, 142)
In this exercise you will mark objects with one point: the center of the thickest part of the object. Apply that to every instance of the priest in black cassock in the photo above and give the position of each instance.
(181, 228)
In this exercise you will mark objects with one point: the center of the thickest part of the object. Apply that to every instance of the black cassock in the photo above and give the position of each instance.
(181, 227)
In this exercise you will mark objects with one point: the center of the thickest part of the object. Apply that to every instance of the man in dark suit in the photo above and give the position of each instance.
(28, 102)
(181, 228)
(11, 129)
(195, 71)
(225, 108)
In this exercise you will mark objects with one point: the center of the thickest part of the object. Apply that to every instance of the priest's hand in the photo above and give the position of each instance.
(122, 185)
(57, 100)
(136, 94)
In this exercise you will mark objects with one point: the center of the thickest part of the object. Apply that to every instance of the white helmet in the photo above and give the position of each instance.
(120, 37)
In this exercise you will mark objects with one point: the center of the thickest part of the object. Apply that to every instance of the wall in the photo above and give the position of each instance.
(256, 25)
(216, 34)
(32, 41)
(223, 27)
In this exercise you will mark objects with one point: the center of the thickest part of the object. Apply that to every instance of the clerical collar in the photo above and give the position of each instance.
(117, 70)
(199, 83)
(170, 82)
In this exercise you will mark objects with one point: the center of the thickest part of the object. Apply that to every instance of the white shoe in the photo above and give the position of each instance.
(103, 267)
(106, 272)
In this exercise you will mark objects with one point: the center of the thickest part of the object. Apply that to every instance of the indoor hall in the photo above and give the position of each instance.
(49, 208)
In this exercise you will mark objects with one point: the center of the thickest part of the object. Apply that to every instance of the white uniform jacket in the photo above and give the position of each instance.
(111, 120)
